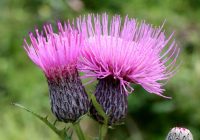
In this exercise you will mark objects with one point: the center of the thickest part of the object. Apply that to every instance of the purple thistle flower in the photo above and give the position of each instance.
(119, 53)
(57, 54)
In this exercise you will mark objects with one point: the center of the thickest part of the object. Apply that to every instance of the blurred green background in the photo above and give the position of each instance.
(150, 117)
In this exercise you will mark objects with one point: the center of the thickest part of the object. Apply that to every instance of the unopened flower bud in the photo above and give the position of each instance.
(178, 133)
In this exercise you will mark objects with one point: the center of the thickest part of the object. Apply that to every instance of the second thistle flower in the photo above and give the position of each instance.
(119, 53)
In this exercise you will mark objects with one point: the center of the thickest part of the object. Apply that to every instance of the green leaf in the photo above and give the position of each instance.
(61, 133)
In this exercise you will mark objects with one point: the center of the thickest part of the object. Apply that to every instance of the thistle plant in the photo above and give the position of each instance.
(118, 53)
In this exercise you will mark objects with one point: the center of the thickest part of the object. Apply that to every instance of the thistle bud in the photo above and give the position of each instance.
(178, 133)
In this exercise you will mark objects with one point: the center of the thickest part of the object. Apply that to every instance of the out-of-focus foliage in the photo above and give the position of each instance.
(150, 117)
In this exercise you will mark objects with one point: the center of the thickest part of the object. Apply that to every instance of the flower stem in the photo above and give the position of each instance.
(102, 131)
(79, 131)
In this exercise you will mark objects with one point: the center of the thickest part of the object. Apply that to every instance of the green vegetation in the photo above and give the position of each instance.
(150, 117)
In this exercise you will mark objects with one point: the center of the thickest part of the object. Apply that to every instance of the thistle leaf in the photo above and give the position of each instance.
(61, 133)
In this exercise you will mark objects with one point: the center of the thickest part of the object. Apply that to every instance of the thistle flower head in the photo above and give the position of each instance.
(179, 133)
(57, 54)
(129, 51)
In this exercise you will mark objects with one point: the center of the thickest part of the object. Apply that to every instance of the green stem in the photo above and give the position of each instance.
(79, 131)
(102, 131)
